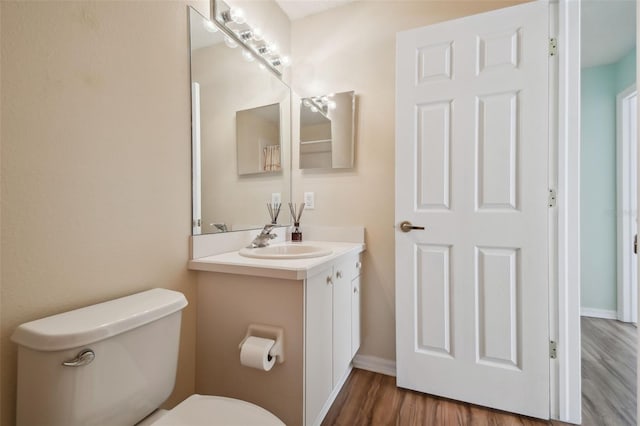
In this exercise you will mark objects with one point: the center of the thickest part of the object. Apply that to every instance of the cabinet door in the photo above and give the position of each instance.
(355, 316)
(341, 320)
(318, 343)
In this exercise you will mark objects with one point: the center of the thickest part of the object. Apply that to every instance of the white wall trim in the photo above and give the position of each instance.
(569, 381)
(375, 364)
(599, 313)
(626, 188)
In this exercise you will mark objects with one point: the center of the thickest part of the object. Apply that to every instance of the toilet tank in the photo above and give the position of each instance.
(135, 342)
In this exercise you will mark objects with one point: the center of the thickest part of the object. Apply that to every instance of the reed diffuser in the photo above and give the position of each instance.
(274, 211)
(296, 234)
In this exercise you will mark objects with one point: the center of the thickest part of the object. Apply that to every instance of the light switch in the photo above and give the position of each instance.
(309, 200)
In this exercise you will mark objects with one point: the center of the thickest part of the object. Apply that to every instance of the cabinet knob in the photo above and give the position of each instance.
(358, 265)
(339, 274)
(355, 290)
(329, 279)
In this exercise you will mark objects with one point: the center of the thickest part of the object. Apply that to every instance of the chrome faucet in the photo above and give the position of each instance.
(262, 239)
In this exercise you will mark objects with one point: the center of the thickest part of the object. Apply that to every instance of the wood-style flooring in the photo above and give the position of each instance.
(608, 384)
(608, 372)
(373, 399)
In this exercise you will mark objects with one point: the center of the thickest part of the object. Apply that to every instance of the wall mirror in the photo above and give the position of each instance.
(231, 188)
(327, 131)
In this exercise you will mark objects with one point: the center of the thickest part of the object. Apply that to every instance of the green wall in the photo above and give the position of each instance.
(600, 86)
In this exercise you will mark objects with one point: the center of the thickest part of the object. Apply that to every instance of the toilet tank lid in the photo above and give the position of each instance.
(98, 322)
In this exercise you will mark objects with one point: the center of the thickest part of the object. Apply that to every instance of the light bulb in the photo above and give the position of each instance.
(332, 104)
(314, 109)
(272, 47)
(210, 26)
(257, 34)
(306, 103)
(230, 42)
(324, 99)
(261, 66)
(237, 15)
(286, 61)
(247, 56)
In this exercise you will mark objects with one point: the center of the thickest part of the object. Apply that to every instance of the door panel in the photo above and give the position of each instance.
(472, 168)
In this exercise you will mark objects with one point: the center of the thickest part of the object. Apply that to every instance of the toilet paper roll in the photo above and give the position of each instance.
(255, 353)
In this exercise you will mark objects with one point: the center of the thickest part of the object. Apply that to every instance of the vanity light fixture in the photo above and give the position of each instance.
(322, 104)
(233, 23)
(234, 14)
(315, 105)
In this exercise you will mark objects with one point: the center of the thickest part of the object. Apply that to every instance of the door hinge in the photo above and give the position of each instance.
(553, 46)
(552, 198)
(553, 349)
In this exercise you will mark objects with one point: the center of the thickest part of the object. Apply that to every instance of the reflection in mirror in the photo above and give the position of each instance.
(258, 140)
(225, 85)
(327, 131)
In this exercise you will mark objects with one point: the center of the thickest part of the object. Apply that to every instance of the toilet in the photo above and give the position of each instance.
(114, 364)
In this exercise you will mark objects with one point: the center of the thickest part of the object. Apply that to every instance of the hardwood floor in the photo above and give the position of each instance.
(608, 372)
(608, 384)
(373, 399)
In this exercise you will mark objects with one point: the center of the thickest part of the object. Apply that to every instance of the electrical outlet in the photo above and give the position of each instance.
(276, 198)
(309, 201)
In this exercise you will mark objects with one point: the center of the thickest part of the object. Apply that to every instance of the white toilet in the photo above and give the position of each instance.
(114, 364)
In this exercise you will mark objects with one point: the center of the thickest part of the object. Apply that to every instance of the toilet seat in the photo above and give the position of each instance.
(205, 410)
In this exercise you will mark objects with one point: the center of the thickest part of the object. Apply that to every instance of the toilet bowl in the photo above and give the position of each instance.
(200, 410)
(114, 364)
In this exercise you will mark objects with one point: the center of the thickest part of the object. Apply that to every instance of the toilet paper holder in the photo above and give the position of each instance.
(267, 332)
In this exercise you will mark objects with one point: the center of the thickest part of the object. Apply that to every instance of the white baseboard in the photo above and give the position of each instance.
(598, 313)
(375, 364)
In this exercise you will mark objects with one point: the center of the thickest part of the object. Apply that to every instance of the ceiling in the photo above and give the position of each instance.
(297, 9)
(608, 26)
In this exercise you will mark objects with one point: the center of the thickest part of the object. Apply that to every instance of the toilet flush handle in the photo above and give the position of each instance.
(84, 357)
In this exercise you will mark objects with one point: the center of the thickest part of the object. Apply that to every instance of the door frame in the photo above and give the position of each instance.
(566, 393)
(627, 304)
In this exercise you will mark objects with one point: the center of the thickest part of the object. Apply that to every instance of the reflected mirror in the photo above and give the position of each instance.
(258, 140)
(237, 169)
(327, 131)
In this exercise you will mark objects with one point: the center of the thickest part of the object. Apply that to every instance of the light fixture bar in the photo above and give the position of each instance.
(233, 23)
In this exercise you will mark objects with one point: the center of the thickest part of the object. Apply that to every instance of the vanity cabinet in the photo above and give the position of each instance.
(316, 301)
(332, 333)
(355, 310)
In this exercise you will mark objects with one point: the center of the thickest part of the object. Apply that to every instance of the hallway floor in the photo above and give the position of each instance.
(608, 372)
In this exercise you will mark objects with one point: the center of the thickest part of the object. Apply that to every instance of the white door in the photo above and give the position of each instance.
(472, 305)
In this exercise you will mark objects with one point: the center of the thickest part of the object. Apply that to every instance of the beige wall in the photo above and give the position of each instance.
(353, 48)
(95, 163)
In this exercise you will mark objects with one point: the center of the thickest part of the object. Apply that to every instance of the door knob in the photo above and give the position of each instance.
(406, 226)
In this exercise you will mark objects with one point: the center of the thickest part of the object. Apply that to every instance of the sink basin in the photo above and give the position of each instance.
(289, 251)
